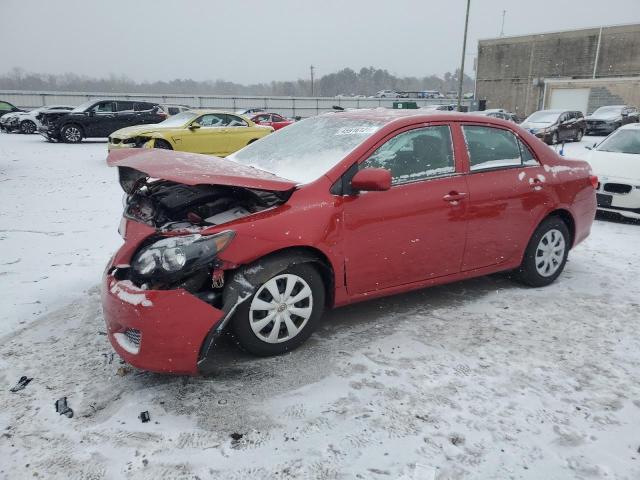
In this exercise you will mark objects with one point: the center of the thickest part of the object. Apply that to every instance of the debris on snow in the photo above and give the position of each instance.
(63, 409)
(23, 382)
(144, 416)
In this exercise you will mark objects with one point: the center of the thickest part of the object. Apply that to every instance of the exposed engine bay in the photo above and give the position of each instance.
(169, 206)
(187, 260)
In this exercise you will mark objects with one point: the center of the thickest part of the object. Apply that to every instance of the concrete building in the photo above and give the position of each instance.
(577, 70)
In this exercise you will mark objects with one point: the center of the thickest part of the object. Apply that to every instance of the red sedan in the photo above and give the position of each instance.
(332, 210)
(271, 120)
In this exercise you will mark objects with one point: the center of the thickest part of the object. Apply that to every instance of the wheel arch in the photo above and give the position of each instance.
(566, 216)
(306, 254)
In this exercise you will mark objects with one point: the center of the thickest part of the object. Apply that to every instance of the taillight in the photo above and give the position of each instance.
(594, 181)
(163, 115)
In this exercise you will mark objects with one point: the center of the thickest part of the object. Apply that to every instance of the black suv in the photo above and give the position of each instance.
(555, 126)
(609, 118)
(97, 119)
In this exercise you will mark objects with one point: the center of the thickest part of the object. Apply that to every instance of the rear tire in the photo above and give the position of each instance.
(546, 254)
(275, 323)
(71, 134)
(28, 127)
(162, 144)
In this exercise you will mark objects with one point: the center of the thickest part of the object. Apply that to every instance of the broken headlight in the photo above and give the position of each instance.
(173, 258)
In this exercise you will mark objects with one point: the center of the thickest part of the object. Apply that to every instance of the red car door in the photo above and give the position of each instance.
(415, 230)
(278, 122)
(507, 195)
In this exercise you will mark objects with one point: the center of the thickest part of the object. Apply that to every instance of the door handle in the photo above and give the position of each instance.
(454, 197)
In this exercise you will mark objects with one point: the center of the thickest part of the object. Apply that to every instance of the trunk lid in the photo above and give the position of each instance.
(197, 169)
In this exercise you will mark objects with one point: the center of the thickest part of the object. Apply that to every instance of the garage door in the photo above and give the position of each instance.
(570, 99)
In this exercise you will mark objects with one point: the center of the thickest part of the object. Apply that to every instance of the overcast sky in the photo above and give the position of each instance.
(250, 41)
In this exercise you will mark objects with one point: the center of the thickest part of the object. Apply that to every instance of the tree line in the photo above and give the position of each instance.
(366, 81)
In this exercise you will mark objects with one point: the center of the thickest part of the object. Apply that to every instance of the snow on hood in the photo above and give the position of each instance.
(138, 130)
(197, 169)
(614, 164)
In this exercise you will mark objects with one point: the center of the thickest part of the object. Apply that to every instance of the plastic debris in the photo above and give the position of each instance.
(144, 417)
(62, 408)
(23, 382)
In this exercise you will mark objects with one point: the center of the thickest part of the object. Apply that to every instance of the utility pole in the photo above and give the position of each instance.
(504, 12)
(464, 52)
(311, 68)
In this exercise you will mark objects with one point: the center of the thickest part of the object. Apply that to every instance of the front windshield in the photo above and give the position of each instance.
(622, 141)
(83, 106)
(179, 120)
(604, 111)
(543, 117)
(306, 150)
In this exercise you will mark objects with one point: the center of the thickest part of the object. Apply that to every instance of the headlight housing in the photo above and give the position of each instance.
(171, 259)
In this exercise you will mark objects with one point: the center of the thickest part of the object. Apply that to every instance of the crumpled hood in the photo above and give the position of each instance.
(613, 164)
(196, 169)
(138, 130)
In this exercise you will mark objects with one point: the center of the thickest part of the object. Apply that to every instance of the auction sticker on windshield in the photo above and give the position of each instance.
(357, 130)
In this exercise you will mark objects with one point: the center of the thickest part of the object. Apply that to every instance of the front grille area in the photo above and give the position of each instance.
(133, 336)
(620, 188)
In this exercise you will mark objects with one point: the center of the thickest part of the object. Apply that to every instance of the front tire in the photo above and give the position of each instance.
(162, 144)
(28, 127)
(579, 136)
(554, 138)
(71, 134)
(282, 313)
(546, 254)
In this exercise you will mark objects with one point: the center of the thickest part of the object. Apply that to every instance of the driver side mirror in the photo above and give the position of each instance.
(194, 126)
(371, 180)
(92, 113)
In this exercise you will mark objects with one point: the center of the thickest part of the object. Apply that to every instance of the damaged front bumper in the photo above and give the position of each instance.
(166, 331)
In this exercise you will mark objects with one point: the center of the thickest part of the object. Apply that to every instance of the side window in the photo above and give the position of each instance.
(276, 118)
(528, 160)
(491, 148)
(104, 107)
(262, 118)
(415, 155)
(5, 107)
(174, 110)
(141, 107)
(211, 120)
(233, 121)
(124, 106)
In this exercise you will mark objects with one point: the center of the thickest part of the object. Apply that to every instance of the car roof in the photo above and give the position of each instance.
(402, 117)
(202, 111)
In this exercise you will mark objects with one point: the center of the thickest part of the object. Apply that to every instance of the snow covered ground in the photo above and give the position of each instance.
(480, 379)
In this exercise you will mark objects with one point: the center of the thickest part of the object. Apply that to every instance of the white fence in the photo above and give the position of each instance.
(289, 106)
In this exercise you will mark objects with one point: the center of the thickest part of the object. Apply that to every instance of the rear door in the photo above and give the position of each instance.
(416, 230)
(125, 115)
(507, 194)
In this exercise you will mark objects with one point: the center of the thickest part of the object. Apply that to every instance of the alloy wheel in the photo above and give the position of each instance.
(72, 134)
(550, 253)
(281, 308)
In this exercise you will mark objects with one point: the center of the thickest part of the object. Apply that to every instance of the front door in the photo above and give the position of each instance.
(101, 121)
(237, 133)
(209, 138)
(415, 230)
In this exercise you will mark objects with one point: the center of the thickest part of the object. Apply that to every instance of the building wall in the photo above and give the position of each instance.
(511, 71)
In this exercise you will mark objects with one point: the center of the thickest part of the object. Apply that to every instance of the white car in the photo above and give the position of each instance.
(27, 122)
(387, 94)
(616, 162)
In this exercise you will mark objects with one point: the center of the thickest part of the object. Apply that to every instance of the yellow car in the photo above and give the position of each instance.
(210, 132)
